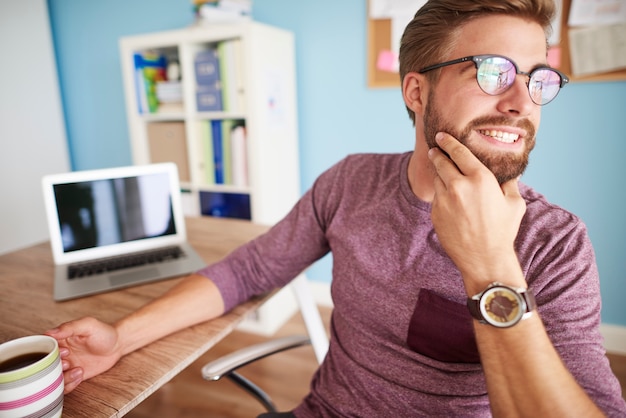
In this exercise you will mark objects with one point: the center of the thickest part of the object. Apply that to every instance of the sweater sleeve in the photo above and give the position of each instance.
(563, 274)
(275, 258)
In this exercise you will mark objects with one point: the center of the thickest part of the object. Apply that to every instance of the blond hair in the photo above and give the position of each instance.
(434, 30)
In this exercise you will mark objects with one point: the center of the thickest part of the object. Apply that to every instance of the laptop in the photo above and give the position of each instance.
(115, 228)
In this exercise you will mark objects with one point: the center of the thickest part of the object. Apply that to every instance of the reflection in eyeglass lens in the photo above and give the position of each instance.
(496, 74)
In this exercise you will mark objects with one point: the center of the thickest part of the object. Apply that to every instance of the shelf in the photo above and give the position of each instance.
(223, 188)
(270, 147)
(200, 116)
(162, 117)
(263, 72)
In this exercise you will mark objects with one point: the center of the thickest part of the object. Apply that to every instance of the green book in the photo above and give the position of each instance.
(227, 128)
(206, 142)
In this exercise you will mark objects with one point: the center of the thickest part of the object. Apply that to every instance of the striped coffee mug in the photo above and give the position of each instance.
(31, 378)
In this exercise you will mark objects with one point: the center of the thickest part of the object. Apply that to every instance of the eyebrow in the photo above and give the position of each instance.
(467, 65)
(540, 65)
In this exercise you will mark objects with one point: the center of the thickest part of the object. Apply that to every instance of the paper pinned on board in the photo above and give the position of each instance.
(597, 12)
(387, 9)
(598, 49)
(555, 36)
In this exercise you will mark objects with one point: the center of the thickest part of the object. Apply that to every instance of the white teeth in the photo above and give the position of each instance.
(505, 137)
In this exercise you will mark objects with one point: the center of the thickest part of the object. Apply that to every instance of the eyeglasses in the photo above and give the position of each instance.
(495, 74)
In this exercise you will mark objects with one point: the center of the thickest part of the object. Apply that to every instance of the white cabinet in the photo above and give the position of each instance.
(263, 71)
(258, 66)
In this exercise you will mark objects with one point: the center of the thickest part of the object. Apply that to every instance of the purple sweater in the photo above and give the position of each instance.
(402, 341)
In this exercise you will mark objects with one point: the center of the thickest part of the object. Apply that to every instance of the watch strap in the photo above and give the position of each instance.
(531, 303)
(473, 304)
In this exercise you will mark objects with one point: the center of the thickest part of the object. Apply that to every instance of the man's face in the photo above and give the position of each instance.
(503, 164)
(499, 130)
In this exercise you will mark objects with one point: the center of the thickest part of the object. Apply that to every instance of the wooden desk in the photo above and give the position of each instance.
(26, 307)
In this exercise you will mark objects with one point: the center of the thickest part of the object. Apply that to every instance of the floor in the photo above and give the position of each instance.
(284, 376)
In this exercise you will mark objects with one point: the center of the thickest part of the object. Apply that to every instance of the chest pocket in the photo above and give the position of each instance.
(442, 330)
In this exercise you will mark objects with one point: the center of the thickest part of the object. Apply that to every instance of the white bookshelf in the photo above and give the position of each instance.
(270, 115)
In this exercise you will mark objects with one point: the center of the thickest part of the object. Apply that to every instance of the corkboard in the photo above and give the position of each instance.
(565, 55)
(379, 39)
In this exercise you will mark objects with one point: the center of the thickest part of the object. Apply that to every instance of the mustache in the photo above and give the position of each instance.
(524, 124)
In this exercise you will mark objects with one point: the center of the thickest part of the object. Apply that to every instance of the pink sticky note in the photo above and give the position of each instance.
(387, 61)
(554, 56)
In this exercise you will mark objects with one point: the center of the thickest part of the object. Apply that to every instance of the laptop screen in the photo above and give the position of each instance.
(111, 211)
(114, 211)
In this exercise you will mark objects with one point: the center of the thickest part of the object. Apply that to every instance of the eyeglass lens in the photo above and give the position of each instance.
(496, 74)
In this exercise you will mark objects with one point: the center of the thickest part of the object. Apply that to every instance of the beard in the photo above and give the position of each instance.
(504, 165)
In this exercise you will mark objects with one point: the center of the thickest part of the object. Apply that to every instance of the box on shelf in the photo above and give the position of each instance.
(209, 98)
(207, 67)
(208, 90)
(167, 143)
(169, 92)
(225, 205)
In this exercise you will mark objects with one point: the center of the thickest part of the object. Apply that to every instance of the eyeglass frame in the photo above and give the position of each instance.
(478, 59)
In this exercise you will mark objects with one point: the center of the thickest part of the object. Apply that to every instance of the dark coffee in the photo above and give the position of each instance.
(20, 361)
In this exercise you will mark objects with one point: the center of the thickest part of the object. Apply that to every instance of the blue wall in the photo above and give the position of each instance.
(577, 163)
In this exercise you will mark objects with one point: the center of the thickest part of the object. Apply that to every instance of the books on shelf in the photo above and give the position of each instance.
(224, 152)
(155, 93)
(219, 78)
(218, 151)
(207, 166)
(149, 69)
(239, 156)
(231, 74)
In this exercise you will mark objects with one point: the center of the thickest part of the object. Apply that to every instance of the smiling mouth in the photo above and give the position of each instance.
(505, 137)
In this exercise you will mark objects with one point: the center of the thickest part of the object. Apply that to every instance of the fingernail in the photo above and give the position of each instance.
(439, 136)
(76, 374)
(64, 352)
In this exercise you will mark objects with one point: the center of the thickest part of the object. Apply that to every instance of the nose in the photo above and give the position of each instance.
(516, 100)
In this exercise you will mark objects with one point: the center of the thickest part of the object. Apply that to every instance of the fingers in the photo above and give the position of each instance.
(460, 158)
(72, 378)
(62, 332)
(71, 329)
(511, 188)
(517, 205)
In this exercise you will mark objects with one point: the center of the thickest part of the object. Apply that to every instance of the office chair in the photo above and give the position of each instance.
(228, 365)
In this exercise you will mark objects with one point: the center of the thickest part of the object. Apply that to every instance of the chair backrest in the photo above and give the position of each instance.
(311, 315)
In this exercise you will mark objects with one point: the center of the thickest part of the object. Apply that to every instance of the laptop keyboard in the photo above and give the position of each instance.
(89, 268)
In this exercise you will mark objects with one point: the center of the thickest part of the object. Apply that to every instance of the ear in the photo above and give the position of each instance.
(415, 92)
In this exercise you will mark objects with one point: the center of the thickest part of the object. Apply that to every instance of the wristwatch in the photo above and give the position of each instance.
(501, 306)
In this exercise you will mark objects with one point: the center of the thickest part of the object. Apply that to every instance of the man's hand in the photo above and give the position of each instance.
(476, 219)
(88, 347)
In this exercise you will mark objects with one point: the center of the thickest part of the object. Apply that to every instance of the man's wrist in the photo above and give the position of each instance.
(508, 273)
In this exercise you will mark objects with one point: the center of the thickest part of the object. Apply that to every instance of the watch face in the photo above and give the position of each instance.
(501, 306)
